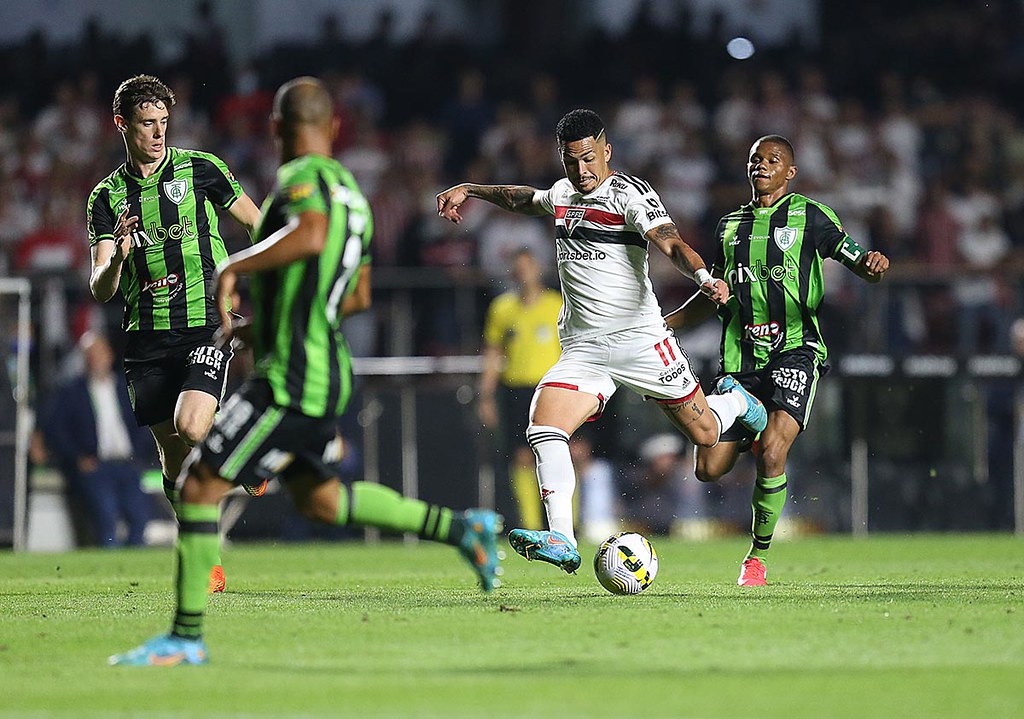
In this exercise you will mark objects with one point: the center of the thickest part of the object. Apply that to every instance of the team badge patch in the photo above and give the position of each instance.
(176, 190)
(573, 217)
(785, 237)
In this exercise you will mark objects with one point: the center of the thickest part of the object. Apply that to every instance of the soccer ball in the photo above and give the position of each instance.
(626, 563)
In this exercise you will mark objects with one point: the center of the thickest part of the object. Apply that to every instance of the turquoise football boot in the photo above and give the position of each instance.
(479, 546)
(756, 417)
(166, 650)
(551, 547)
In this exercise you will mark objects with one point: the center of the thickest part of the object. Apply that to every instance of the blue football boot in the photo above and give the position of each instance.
(166, 650)
(479, 545)
(756, 417)
(551, 547)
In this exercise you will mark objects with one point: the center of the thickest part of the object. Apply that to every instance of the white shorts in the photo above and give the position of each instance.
(652, 363)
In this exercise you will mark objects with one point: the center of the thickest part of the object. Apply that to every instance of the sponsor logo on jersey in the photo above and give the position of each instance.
(618, 184)
(169, 281)
(761, 272)
(573, 217)
(299, 192)
(655, 214)
(674, 373)
(580, 255)
(785, 237)
(769, 334)
(155, 234)
(176, 190)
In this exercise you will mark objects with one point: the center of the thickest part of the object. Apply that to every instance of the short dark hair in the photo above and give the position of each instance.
(780, 140)
(577, 124)
(139, 90)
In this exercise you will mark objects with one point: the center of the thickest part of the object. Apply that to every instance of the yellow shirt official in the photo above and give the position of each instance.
(528, 335)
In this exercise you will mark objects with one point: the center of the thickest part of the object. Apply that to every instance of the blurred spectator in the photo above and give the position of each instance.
(658, 493)
(520, 345)
(90, 430)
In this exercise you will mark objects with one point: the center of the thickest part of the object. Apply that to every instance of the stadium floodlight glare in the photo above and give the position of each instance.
(740, 48)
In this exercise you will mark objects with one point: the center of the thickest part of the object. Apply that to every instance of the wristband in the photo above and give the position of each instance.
(702, 276)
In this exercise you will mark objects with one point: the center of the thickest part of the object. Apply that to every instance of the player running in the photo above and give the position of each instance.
(770, 251)
(610, 329)
(154, 235)
(310, 268)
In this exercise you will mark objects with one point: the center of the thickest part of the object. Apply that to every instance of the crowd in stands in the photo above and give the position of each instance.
(919, 150)
(925, 166)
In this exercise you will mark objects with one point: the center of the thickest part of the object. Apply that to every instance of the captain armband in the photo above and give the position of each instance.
(849, 252)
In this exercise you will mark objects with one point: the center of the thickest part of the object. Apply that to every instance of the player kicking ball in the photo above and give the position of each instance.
(309, 268)
(771, 340)
(611, 329)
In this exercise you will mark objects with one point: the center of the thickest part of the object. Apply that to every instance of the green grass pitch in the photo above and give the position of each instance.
(908, 626)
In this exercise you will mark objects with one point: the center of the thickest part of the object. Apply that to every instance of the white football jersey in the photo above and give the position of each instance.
(602, 255)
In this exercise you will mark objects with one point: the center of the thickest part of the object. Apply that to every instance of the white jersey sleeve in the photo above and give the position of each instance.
(545, 200)
(642, 207)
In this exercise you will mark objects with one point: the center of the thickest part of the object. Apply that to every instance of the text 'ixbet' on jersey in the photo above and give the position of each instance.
(602, 255)
(176, 245)
(297, 308)
(771, 258)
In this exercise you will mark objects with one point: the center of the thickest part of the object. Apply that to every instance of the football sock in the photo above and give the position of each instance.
(524, 487)
(555, 475)
(375, 505)
(198, 550)
(726, 408)
(769, 498)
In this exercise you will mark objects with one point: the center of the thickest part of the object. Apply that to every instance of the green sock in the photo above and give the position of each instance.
(198, 551)
(375, 505)
(769, 498)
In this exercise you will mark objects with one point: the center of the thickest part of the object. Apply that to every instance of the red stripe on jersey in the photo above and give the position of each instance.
(592, 214)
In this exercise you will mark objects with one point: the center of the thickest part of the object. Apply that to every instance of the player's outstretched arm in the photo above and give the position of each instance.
(305, 236)
(666, 238)
(108, 256)
(245, 212)
(515, 198)
(872, 266)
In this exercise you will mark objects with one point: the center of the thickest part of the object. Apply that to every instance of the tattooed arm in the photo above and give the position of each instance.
(666, 238)
(516, 198)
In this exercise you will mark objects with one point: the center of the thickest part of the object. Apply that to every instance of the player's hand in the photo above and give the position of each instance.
(224, 290)
(875, 264)
(123, 230)
(449, 202)
(716, 290)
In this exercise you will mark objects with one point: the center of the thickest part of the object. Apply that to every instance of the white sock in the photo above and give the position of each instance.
(555, 475)
(726, 408)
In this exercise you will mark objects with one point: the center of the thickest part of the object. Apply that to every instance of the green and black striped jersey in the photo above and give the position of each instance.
(297, 309)
(771, 258)
(166, 278)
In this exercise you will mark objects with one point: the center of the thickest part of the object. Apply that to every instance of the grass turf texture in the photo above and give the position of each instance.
(923, 626)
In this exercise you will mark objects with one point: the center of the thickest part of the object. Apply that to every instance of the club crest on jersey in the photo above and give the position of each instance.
(573, 217)
(176, 190)
(785, 237)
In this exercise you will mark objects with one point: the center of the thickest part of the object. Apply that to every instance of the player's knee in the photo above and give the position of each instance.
(773, 459)
(192, 429)
(703, 472)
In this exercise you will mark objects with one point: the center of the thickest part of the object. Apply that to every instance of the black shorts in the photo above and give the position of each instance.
(254, 439)
(788, 382)
(160, 365)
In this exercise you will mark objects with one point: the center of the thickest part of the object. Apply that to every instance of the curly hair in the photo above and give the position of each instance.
(139, 90)
(577, 124)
